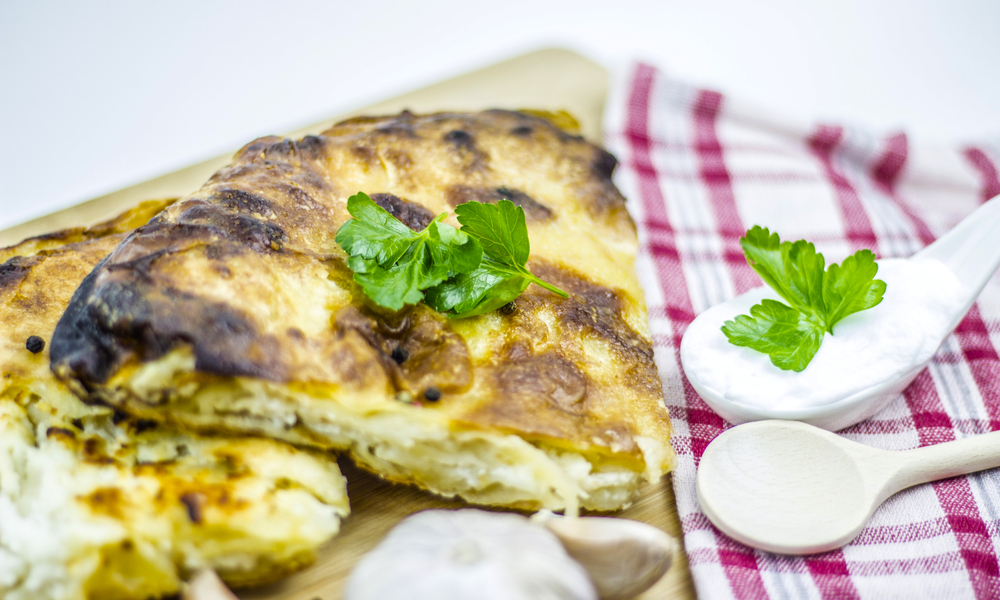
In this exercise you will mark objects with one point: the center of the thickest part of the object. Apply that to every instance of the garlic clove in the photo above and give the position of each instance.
(468, 554)
(206, 585)
(623, 557)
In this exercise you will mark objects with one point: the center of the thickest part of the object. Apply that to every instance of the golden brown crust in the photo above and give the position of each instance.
(246, 273)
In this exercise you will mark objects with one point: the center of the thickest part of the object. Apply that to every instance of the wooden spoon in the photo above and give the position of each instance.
(788, 487)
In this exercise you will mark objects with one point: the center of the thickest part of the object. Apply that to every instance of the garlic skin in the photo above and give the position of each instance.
(623, 557)
(206, 585)
(468, 554)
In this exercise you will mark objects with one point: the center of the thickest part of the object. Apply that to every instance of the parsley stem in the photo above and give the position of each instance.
(548, 286)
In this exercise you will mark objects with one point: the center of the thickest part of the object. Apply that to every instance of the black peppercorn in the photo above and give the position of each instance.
(35, 344)
(432, 394)
(399, 354)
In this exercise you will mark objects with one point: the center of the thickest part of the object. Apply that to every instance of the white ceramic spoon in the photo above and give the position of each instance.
(971, 250)
(788, 487)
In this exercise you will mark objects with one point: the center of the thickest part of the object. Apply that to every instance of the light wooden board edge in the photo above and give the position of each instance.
(550, 79)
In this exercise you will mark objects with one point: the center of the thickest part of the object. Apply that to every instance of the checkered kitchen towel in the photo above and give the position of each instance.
(699, 169)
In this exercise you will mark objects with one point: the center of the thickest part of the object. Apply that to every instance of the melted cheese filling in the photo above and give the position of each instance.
(398, 441)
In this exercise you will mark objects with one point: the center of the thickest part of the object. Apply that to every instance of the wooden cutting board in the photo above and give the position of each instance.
(547, 79)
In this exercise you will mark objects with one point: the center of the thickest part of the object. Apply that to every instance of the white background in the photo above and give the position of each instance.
(95, 96)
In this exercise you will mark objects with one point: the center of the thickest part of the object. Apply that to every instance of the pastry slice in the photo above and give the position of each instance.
(235, 310)
(96, 505)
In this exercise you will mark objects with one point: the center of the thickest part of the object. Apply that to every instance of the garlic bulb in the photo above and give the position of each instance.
(468, 554)
(623, 557)
(206, 585)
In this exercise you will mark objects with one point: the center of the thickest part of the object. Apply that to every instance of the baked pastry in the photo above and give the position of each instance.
(94, 504)
(235, 310)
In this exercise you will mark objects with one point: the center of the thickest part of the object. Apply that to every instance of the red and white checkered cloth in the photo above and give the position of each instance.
(699, 169)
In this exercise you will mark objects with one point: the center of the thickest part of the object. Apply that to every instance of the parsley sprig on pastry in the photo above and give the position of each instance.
(463, 272)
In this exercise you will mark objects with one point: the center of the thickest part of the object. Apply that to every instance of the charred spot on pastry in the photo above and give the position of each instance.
(596, 310)
(15, 270)
(141, 425)
(311, 147)
(59, 431)
(365, 154)
(300, 196)
(94, 450)
(462, 144)
(260, 236)
(460, 139)
(540, 119)
(194, 502)
(254, 148)
(399, 354)
(80, 347)
(157, 221)
(509, 308)
(433, 354)
(108, 501)
(533, 385)
(62, 234)
(432, 394)
(604, 163)
(533, 209)
(78, 423)
(244, 202)
(35, 344)
(415, 216)
(400, 125)
(522, 131)
(226, 343)
(104, 326)
(282, 149)
(140, 266)
(460, 194)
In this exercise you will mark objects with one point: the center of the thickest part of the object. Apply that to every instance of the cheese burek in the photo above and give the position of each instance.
(235, 309)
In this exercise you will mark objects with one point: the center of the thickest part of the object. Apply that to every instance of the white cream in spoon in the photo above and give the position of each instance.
(866, 348)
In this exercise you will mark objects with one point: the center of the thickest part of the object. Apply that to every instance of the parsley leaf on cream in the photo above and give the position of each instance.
(461, 272)
(817, 298)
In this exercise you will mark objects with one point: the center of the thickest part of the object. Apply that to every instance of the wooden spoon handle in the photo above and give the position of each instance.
(949, 459)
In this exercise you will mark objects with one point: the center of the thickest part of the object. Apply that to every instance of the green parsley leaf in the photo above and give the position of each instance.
(819, 298)
(501, 228)
(781, 332)
(851, 287)
(373, 232)
(503, 233)
(461, 272)
(502, 276)
(794, 270)
(486, 288)
(394, 264)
